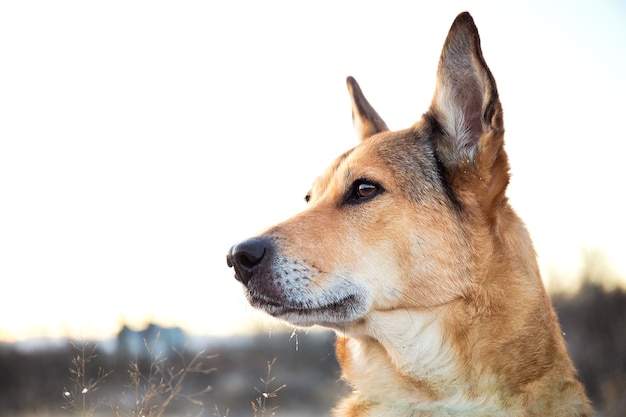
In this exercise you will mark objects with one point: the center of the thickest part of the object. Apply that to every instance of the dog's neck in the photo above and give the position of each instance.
(414, 370)
(416, 350)
(379, 357)
(429, 369)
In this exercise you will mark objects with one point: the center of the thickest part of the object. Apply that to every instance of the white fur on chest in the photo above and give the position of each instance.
(410, 346)
(415, 344)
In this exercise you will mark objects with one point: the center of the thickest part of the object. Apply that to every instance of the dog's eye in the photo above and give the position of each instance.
(363, 190)
(307, 198)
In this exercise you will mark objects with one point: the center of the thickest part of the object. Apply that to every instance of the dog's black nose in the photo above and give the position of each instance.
(246, 257)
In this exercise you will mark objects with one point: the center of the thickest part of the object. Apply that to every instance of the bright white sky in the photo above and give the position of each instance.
(140, 139)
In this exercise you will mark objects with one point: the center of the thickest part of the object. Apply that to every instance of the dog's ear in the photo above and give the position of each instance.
(364, 118)
(468, 112)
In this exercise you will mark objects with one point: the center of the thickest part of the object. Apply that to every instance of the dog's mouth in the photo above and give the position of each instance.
(329, 313)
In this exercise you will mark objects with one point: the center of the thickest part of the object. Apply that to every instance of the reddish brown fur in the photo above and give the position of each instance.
(426, 273)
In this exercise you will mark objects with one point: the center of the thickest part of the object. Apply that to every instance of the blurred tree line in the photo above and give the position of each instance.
(593, 320)
(234, 377)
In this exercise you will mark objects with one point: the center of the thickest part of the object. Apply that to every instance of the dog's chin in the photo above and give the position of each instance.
(333, 314)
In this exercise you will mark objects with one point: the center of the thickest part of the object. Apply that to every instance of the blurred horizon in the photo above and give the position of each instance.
(594, 271)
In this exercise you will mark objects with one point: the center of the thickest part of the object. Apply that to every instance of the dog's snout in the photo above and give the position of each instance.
(246, 257)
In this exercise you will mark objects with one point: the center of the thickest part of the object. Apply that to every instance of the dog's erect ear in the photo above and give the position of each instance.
(466, 103)
(364, 118)
(468, 111)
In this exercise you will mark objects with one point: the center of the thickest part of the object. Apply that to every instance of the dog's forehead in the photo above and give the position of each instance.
(401, 158)
(358, 162)
(381, 155)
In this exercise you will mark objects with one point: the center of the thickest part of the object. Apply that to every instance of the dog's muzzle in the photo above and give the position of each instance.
(248, 257)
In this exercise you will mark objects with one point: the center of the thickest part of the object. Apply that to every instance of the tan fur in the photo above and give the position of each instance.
(411, 252)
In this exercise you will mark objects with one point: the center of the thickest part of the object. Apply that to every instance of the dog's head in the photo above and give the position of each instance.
(401, 221)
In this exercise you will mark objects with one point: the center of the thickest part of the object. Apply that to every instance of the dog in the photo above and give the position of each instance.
(411, 252)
